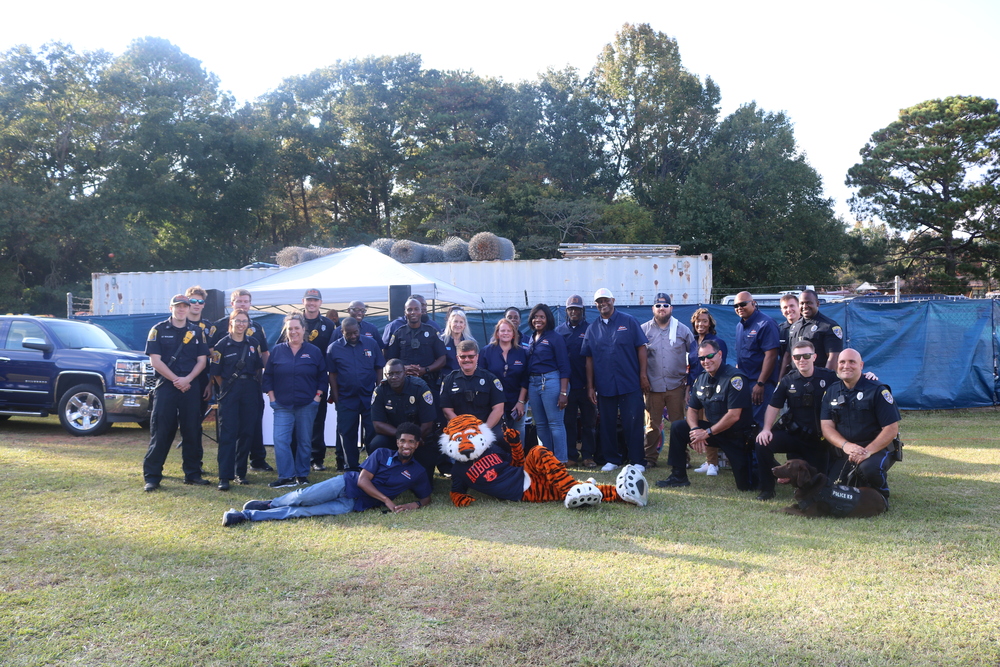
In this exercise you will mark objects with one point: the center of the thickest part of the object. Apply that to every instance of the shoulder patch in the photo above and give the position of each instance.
(887, 395)
(188, 336)
(211, 332)
(152, 334)
(496, 383)
(428, 398)
(737, 382)
(838, 332)
(216, 356)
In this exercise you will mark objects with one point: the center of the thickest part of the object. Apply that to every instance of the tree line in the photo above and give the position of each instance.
(142, 162)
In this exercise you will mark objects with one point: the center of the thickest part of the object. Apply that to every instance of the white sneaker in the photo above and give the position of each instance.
(608, 467)
(703, 467)
(639, 467)
(712, 470)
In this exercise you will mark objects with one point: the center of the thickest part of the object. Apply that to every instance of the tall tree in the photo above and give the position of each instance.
(935, 172)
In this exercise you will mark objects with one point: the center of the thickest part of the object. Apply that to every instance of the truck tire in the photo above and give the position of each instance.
(81, 410)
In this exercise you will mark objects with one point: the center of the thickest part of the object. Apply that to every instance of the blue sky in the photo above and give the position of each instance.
(839, 70)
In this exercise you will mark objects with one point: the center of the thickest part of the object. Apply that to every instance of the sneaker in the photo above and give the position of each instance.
(257, 505)
(608, 467)
(640, 468)
(674, 480)
(282, 482)
(712, 470)
(302, 481)
(151, 486)
(703, 467)
(264, 467)
(197, 481)
(318, 467)
(233, 517)
(241, 481)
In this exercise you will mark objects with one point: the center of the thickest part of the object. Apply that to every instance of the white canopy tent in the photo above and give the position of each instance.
(358, 273)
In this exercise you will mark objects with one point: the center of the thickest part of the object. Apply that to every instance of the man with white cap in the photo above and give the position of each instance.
(615, 348)
(667, 361)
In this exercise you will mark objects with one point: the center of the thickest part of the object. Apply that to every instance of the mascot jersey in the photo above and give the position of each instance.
(492, 474)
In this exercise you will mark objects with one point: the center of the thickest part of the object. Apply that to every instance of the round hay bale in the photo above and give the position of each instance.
(484, 247)
(384, 246)
(307, 254)
(289, 256)
(323, 252)
(507, 252)
(455, 249)
(407, 252)
(433, 253)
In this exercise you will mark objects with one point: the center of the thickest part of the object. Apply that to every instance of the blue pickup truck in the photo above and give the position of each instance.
(80, 371)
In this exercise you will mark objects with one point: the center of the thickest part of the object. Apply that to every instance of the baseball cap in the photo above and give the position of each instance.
(575, 301)
(603, 293)
(313, 294)
(178, 299)
(662, 297)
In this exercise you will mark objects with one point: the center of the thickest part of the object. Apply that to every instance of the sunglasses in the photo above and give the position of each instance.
(741, 304)
(707, 356)
(662, 305)
(466, 356)
(196, 301)
(804, 355)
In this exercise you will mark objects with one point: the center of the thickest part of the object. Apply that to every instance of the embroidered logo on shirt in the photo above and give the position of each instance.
(887, 396)
(405, 473)
(838, 332)
(496, 383)
(737, 382)
(428, 398)
(152, 334)
(623, 328)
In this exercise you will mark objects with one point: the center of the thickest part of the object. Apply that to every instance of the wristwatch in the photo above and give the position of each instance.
(759, 383)
(708, 431)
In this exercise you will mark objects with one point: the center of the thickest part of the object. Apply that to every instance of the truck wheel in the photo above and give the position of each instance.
(81, 410)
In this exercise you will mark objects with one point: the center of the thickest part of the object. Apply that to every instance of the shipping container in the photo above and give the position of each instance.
(150, 291)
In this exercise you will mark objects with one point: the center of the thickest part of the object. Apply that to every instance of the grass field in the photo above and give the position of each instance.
(95, 572)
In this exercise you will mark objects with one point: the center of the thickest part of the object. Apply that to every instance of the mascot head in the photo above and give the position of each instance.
(465, 438)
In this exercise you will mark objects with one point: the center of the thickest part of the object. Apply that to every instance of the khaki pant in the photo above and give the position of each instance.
(673, 401)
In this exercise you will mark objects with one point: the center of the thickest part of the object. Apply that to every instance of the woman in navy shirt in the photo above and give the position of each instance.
(548, 385)
(294, 380)
(505, 358)
(456, 329)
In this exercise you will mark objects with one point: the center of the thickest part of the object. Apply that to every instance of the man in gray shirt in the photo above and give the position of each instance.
(666, 366)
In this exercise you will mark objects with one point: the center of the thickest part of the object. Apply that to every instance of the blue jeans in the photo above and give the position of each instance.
(543, 394)
(289, 421)
(327, 497)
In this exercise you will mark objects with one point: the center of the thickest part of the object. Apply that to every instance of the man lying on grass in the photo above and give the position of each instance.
(384, 475)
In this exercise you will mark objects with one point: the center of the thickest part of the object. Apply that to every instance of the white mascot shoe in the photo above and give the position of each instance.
(632, 486)
(582, 494)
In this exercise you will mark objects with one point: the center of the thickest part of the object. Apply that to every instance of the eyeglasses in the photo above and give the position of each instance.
(662, 305)
(804, 355)
(707, 356)
(741, 304)
(466, 356)
(195, 302)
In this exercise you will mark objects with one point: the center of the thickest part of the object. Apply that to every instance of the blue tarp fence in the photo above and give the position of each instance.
(936, 355)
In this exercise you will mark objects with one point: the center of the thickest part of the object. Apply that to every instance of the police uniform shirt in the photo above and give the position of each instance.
(784, 331)
(390, 476)
(491, 474)
(415, 403)
(318, 331)
(367, 329)
(753, 339)
(694, 366)
(474, 394)
(185, 342)
(613, 347)
(859, 414)
(400, 321)
(420, 346)
(220, 330)
(355, 366)
(728, 390)
(825, 334)
(227, 355)
(804, 396)
(577, 362)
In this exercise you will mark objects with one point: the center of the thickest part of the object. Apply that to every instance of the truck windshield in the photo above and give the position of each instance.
(77, 335)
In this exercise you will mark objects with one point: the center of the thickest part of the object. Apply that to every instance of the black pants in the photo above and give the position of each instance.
(872, 472)
(258, 454)
(239, 411)
(579, 403)
(812, 450)
(173, 408)
(733, 444)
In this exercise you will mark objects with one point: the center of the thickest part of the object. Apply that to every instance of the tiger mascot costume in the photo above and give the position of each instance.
(538, 477)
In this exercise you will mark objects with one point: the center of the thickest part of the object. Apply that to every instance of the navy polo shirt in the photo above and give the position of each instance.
(573, 336)
(512, 373)
(390, 476)
(450, 353)
(355, 366)
(547, 354)
(318, 331)
(754, 337)
(368, 330)
(295, 378)
(612, 346)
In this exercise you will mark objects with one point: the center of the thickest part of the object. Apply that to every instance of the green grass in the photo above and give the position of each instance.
(93, 571)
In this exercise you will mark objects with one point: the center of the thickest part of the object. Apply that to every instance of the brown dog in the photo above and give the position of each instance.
(812, 493)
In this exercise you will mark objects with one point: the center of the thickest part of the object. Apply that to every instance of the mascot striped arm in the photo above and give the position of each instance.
(539, 477)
